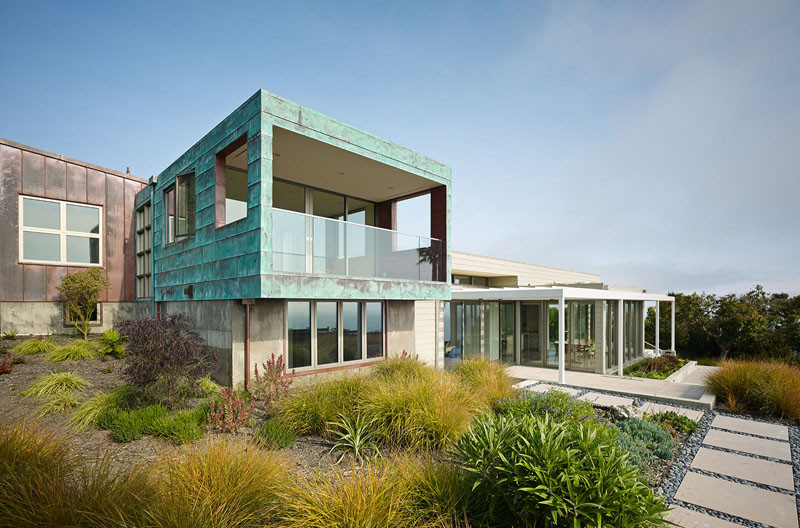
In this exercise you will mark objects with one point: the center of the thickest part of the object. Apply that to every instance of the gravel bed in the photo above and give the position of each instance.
(794, 444)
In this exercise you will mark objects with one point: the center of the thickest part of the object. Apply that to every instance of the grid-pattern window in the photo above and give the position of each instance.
(59, 232)
(144, 245)
(179, 204)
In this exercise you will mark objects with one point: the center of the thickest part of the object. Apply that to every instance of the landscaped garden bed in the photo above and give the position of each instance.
(766, 388)
(660, 367)
(404, 445)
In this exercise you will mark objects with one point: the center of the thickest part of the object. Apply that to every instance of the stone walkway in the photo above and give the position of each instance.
(742, 474)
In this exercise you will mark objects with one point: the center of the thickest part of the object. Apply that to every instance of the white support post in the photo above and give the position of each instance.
(672, 327)
(561, 337)
(620, 335)
(658, 330)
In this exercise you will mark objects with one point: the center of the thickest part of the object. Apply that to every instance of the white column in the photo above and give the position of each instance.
(620, 335)
(561, 338)
(672, 327)
(658, 332)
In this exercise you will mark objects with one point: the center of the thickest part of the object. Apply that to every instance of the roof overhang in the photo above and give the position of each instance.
(549, 292)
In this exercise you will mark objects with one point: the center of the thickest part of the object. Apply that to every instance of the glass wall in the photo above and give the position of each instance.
(351, 331)
(551, 360)
(453, 332)
(374, 316)
(530, 351)
(472, 330)
(612, 354)
(632, 330)
(327, 333)
(508, 325)
(491, 330)
(580, 334)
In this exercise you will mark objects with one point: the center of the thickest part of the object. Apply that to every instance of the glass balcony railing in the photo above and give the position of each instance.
(304, 243)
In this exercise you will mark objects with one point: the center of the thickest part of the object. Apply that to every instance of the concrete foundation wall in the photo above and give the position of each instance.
(399, 328)
(48, 317)
(266, 337)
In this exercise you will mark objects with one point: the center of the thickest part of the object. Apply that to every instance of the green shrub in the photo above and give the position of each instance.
(310, 411)
(9, 335)
(183, 427)
(208, 387)
(127, 426)
(56, 382)
(420, 412)
(75, 350)
(111, 344)
(57, 403)
(642, 439)
(531, 470)
(355, 436)
(87, 413)
(660, 367)
(38, 345)
(557, 404)
(274, 435)
(768, 388)
(488, 378)
(674, 422)
(219, 484)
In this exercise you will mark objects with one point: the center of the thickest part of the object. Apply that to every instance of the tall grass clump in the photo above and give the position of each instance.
(42, 485)
(488, 378)
(218, 484)
(75, 350)
(440, 491)
(420, 412)
(56, 382)
(404, 366)
(310, 411)
(57, 403)
(768, 388)
(87, 413)
(374, 496)
(39, 345)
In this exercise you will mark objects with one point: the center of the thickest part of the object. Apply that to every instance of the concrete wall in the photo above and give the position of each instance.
(425, 331)
(399, 328)
(38, 318)
(600, 337)
(266, 336)
(509, 273)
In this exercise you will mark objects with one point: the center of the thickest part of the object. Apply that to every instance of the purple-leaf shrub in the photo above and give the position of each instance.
(165, 358)
(274, 384)
(231, 413)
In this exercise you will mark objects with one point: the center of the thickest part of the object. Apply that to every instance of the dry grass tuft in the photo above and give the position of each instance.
(769, 388)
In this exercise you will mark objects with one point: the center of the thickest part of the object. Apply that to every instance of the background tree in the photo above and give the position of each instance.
(81, 292)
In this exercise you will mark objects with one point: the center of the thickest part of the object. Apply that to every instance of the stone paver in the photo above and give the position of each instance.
(781, 432)
(748, 444)
(654, 407)
(687, 518)
(544, 387)
(698, 377)
(744, 467)
(755, 504)
(604, 400)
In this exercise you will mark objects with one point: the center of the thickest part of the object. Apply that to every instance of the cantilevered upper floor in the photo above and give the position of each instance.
(279, 201)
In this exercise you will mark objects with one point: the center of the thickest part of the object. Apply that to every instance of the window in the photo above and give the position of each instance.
(58, 232)
(468, 280)
(96, 319)
(179, 203)
(144, 238)
(327, 333)
(230, 181)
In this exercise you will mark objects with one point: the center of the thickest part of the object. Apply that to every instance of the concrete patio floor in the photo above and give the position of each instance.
(687, 394)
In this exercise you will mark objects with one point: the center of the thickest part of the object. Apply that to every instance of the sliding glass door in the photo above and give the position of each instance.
(530, 352)
(508, 326)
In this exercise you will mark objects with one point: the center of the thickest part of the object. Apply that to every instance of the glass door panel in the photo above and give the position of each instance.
(580, 329)
(472, 330)
(530, 343)
(507, 326)
(551, 360)
(491, 330)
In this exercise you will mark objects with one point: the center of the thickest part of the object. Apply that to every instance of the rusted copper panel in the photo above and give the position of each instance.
(129, 264)
(76, 183)
(115, 236)
(439, 222)
(95, 187)
(387, 215)
(35, 283)
(55, 179)
(32, 174)
(54, 274)
(10, 183)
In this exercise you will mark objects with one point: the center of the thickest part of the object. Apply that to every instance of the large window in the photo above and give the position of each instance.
(230, 181)
(58, 232)
(179, 203)
(144, 237)
(326, 333)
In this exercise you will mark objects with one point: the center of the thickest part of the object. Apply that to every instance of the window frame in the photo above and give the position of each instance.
(174, 188)
(62, 233)
(145, 233)
(340, 363)
(98, 321)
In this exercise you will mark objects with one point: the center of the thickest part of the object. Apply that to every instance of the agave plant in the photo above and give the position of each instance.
(355, 436)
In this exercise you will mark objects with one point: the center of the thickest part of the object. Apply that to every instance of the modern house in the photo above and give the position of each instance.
(277, 232)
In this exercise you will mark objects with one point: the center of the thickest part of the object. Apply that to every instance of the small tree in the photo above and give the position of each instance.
(81, 292)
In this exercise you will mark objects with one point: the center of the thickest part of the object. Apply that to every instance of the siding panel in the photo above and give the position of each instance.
(95, 187)
(115, 235)
(425, 331)
(76, 183)
(11, 278)
(35, 283)
(32, 174)
(55, 179)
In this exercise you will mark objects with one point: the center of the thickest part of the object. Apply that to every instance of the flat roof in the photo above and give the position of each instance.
(552, 292)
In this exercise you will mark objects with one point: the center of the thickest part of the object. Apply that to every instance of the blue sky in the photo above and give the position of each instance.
(657, 144)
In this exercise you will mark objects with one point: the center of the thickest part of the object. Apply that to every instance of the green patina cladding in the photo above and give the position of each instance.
(235, 261)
